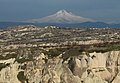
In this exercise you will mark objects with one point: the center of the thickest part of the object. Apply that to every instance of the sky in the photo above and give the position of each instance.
(21, 10)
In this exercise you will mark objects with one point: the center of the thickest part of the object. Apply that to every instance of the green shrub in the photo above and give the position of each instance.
(21, 77)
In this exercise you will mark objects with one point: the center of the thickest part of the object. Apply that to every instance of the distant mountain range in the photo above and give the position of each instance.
(72, 25)
(62, 19)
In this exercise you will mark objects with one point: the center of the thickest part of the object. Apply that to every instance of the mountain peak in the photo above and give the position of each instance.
(62, 11)
(62, 16)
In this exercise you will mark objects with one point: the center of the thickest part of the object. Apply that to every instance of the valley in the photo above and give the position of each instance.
(31, 54)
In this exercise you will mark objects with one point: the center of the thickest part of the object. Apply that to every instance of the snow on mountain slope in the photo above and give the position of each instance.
(61, 16)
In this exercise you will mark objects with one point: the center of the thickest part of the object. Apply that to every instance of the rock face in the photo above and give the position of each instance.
(9, 74)
(84, 68)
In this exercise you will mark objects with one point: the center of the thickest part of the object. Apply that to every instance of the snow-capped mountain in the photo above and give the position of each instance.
(61, 16)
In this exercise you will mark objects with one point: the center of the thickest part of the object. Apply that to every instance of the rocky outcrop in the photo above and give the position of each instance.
(9, 73)
(84, 68)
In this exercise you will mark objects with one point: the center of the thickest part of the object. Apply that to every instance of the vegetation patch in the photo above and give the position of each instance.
(55, 52)
(2, 65)
(21, 77)
(104, 49)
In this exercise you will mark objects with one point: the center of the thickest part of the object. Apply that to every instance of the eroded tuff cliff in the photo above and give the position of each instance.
(83, 68)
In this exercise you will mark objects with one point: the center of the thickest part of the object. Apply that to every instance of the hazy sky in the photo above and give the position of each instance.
(100, 10)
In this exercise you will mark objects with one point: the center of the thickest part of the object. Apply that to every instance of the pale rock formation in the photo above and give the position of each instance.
(117, 78)
(9, 74)
(85, 68)
(95, 79)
